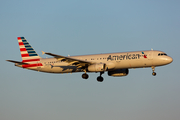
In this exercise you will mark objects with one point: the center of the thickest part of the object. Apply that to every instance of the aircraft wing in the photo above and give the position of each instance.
(72, 61)
(20, 63)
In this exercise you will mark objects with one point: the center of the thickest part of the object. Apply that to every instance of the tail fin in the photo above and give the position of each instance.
(28, 54)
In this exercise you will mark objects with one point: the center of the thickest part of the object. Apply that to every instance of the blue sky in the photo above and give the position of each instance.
(78, 27)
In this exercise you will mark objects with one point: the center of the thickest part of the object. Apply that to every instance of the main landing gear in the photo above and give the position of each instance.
(85, 76)
(153, 69)
(99, 79)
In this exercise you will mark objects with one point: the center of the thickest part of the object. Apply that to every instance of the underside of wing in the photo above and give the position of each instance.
(72, 61)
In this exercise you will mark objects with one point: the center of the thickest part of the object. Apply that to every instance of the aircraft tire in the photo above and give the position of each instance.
(100, 79)
(154, 74)
(85, 76)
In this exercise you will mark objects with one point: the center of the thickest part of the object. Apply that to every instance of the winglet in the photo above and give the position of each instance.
(43, 52)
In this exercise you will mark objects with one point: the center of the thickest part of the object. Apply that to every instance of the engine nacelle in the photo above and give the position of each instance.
(118, 72)
(97, 67)
(110, 66)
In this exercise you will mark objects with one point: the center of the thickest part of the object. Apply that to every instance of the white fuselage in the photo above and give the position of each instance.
(122, 60)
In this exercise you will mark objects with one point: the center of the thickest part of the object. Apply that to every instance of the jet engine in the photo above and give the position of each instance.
(118, 72)
(110, 66)
(97, 67)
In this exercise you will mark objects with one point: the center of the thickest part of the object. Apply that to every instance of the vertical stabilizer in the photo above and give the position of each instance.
(28, 54)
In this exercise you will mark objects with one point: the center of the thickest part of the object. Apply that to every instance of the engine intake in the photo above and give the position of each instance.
(118, 72)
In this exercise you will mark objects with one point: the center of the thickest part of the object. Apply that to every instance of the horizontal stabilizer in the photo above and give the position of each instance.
(20, 63)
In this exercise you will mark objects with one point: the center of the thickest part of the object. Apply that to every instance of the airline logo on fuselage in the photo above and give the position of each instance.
(144, 55)
(126, 57)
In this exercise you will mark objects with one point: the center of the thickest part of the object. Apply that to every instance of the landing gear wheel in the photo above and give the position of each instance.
(85, 76)
(153, 69)
(100, 79)
(154, 74)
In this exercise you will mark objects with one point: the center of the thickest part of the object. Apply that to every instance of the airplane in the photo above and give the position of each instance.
(115, 64)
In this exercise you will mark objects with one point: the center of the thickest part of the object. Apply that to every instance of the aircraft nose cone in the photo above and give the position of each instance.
(169, 60)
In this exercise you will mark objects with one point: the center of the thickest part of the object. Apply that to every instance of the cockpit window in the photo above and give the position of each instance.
(161, 54)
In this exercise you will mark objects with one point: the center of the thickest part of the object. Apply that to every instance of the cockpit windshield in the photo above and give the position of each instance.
(161, 54)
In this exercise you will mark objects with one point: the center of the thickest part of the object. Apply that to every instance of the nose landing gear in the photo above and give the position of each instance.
(153, 69)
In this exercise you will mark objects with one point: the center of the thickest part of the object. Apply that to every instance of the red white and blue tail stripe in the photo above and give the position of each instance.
(28, 54)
